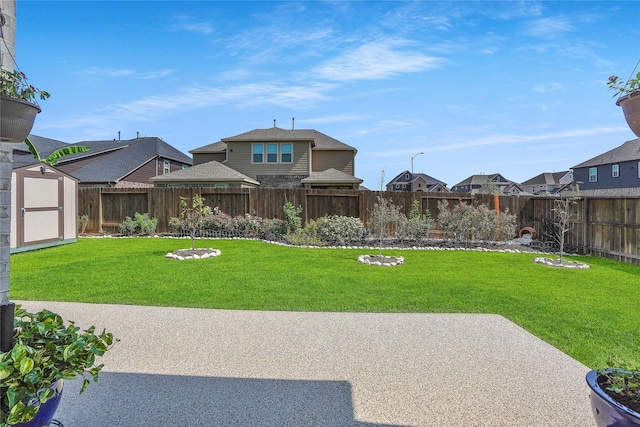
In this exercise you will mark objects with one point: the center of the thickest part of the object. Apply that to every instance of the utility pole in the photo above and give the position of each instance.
(414, 156)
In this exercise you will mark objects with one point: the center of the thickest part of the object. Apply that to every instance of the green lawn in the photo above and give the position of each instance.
(593, 315)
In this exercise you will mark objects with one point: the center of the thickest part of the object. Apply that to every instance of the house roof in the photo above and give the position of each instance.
(546, 178)
(206, 172)
(23, 157)
(318, 140)
(482, 179)
(428, 179)
(216, 147)
(124, 158)
(330, 176)
(629, 151)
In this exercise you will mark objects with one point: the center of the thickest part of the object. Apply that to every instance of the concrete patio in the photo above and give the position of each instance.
(199, 367)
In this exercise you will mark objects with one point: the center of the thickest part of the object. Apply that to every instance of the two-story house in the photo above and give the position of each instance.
(273, 157)
(407, 181)
(547, 182)
(613, 173)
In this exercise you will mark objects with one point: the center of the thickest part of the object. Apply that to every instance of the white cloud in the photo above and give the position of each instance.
(505, 139)
(112, 72)
(548, 27)
(184, 23)
(549, 87)
(154, 74)
(376, 60)
(193, 97)
(106, 72)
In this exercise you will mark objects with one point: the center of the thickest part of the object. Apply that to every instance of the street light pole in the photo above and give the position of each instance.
(413, 157)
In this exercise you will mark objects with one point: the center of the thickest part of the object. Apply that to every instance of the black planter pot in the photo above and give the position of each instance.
(630, 105)
(16, 119)
(606, 411)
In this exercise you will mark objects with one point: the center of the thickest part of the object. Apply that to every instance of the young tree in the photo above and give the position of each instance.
(193, 216)
(563, 211)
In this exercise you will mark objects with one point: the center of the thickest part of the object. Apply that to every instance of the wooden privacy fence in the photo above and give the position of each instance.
(608, 227)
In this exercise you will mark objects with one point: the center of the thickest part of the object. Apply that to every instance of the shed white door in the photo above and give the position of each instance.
(40, 216)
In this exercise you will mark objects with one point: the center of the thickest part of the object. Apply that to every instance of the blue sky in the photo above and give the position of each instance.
(516, 87)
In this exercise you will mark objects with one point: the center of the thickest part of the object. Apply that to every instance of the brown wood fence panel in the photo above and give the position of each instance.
(117, 204)
(607, 227)
(320, 203)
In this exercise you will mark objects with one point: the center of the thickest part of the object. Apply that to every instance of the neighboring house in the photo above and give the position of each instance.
(111, 163)
(547, 182)
(474, 184)
(613, 173)
(275, 158)
(406, 181)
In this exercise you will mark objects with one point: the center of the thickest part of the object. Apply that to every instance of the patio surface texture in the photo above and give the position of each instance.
(200, 367)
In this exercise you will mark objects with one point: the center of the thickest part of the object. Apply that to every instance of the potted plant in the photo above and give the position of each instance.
(628, 99)
(615, 396)
(46, 352)
(18, 105)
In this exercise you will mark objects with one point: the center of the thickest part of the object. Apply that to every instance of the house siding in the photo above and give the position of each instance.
(154, 167)
(628, 177)
(239, 158)
(340, 160)
(208, 157)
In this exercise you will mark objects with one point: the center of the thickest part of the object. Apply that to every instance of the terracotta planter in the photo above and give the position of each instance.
(16, 119)
(631, 108)
(607, 411)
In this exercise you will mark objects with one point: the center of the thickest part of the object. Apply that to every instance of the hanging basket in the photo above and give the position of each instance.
(630, 105)
(16, 119)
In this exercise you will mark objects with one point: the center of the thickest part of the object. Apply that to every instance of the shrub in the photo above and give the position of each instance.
(341, 230)
(140, 224)
(273, 229)
(83, 221)
(307, 236)
(293, 217)
(128, 227)
(468, 222)
(418, 225)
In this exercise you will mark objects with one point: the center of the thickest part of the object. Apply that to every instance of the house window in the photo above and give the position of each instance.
(638, 169)
(286, 153)
(615, 171)
(272, 153)
(185, 166)
(407, 177)
(167, 167)
(257, 151)
(593, 174)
